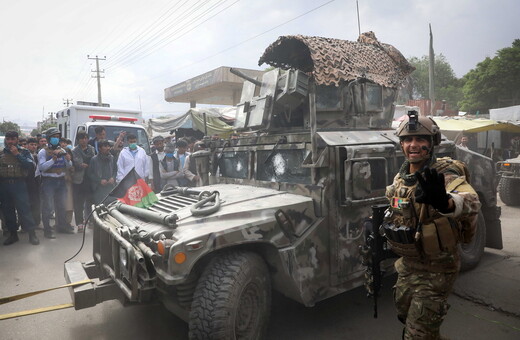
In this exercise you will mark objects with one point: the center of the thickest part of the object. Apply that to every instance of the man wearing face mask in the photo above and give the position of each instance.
(53, 162)
(169, 167)
(15, 163)
(132, 156)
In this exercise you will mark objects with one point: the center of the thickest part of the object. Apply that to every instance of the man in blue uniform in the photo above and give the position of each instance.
(15, 163)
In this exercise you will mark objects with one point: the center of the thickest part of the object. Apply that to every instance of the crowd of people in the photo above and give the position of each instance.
(45, 177)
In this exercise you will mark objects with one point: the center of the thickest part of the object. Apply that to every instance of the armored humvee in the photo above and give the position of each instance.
(509, 184)
(289, 201)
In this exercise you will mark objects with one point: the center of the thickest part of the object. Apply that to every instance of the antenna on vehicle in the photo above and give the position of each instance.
(358, 24)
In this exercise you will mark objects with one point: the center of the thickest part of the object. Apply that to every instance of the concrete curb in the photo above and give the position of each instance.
(494, 283)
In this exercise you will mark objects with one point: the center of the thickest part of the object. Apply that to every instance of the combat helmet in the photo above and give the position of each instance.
(52, 131)
(416, 125)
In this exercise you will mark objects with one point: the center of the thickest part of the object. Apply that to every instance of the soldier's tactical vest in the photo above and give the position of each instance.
(59, 165)
(416, 230)
(10, 166)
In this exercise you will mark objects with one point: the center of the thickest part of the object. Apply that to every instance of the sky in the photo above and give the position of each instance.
(148, 46)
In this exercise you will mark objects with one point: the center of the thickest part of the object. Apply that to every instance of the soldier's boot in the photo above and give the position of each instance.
(48, 233)
(13, 237)
(33, 239)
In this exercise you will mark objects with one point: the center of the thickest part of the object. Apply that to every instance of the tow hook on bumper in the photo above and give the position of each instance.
(89, 294)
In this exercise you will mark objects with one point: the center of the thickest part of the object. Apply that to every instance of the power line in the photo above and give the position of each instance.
(86, 86)
(244, 41)
(165, 40)
(120, 25)
(150, 45)
(153, 31)
(82, 76)
(82, 93)
(143, 32)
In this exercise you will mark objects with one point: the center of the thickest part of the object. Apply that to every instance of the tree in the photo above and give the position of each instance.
(47, 126)
(447, 86)
(495, 82)
(9, 126)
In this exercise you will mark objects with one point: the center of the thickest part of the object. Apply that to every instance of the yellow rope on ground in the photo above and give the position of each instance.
(25, 295)
(38, 310)
(35, 311)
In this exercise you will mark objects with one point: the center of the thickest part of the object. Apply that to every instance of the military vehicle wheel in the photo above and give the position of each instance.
(232, 299)
(508, 190)
(471, 253)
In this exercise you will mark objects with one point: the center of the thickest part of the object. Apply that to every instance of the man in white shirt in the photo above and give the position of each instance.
(464, 142)
(132, 156)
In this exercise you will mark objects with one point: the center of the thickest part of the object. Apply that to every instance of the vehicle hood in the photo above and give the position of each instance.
(245, 206)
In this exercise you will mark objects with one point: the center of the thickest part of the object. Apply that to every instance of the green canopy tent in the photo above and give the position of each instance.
(209, 121)
(453, 128)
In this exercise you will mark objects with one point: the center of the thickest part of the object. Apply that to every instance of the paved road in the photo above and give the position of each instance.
(489, 309)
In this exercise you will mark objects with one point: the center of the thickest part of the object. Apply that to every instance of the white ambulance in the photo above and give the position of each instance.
(86, 118)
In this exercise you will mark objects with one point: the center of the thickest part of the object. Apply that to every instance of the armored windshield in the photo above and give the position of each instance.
(283, 166)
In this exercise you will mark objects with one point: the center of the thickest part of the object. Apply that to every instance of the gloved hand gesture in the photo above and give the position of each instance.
(433, 190)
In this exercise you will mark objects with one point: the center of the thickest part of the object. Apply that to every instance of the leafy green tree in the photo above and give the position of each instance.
(447, 86)
(8, 126)
(495, 82)
(47, 126)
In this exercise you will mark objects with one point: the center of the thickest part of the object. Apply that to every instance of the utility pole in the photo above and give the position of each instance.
(98, 76)
(431, 73)
(67, 102)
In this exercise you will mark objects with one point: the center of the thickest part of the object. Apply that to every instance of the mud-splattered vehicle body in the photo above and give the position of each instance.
(289, 203)
(509, 184)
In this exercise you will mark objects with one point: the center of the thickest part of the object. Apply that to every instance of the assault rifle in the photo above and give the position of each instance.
(374, 251)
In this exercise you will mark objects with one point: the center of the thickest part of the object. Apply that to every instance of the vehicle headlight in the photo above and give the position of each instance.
(123, 257)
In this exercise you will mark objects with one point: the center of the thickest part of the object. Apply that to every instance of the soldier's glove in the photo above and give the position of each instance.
(433, 190)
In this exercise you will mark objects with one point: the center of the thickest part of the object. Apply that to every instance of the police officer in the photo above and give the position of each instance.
(52, 163)
(15, 163)
(433, 203)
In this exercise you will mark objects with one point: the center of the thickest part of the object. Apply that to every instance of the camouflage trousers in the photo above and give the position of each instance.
(421, 300)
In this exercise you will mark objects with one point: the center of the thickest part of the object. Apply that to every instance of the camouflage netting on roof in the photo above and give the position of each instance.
(331, 61)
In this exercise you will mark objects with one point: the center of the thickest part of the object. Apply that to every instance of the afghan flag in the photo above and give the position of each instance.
(133, 190)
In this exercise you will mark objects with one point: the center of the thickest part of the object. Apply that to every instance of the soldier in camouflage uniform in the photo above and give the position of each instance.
(435, 207)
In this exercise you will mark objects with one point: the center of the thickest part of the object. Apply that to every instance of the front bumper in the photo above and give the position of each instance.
(90, 294)
(112, 280)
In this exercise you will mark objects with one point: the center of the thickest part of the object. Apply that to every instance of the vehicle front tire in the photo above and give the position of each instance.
(471, 253)
(232, 299)
(508, 190)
